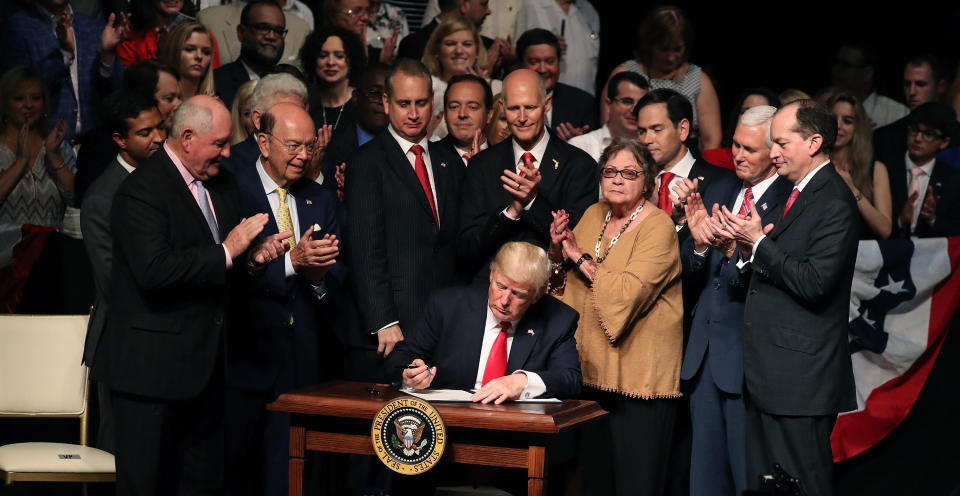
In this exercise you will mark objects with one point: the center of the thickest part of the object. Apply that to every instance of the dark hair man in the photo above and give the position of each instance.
(467, 107)
(623, 92)
(261, 31)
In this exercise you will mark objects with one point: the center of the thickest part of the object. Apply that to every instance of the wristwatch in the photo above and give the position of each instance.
(584, 258)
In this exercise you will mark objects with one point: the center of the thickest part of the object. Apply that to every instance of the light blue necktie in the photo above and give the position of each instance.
(207, 213)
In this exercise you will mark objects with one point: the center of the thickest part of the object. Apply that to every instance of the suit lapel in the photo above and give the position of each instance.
(525, 335)
(401, 167)
(474, 324)
(186, 197)
(550, 165)
(441, 175)
(803, 200)
(772, 198)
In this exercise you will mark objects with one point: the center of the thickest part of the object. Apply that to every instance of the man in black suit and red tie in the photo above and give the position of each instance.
(178, 232)
(511, 188)
(401, 195)
(796, 360)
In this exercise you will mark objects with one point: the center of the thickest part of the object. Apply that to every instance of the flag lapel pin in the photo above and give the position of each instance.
(530, 332)
(309, 202)
(556, 165)
(764, 206)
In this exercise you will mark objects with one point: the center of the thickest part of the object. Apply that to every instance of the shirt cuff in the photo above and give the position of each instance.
(701, 254)
(535, 386)
(67, 57)
(288, 270)
(507, 215)
(395, 322)
(229, 258)
(527, 206)
(106, 70)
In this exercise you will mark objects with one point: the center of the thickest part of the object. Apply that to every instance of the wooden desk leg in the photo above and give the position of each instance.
(297, 443)
(536, 457)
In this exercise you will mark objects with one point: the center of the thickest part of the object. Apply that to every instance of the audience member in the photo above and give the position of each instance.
(796, 360)
(664, 42)
(224, 22)
(713, 359)
(501, 22)
(623, 93)
(577, 24)
(386, 22)
(281, 320)
(663, 123)
(271, 90)
(261, 31)
(240, 113)
(36, 166)
(791, 95)
(177, 230)
(854, 68)
(188, 49)
(503, 363)
(924, 81)
(630, 331)
(573, 111)
(454, 48)
(353, 16)
(414, 46)
(917, 178)
(402, 196)
(136, 128)
(150, 22)
(753, 97)
(74, 54)
(853, 157)
(467, 107)
(371, 120)
(540, 174)
(333, 57)
(498, 129)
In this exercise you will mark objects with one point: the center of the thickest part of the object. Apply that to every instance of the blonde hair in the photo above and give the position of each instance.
(169, 52)
(861, 144)
(491, 130)
(431, 53)
(16, 79)
(240, 100)
(791, 95)
(524, 263)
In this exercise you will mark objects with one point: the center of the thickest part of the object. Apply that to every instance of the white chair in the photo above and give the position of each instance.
(41, 376)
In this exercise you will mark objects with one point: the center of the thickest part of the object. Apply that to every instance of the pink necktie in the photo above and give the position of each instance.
(421, 169)
(497, 360)
(790, 199)
(915, 173)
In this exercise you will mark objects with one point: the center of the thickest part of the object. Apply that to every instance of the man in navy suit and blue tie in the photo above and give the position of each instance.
(713, 362)
(280, 312)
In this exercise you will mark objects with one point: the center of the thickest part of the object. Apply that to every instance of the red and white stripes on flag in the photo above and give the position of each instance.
(904, 295)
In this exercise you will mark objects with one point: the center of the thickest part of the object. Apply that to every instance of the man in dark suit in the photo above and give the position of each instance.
(261, 32)
(713, 362)
(573, 111)
(413, 45)
(467, 107)
(511, 188)
(917, 178)
(272, 89)
(796, 359)
(924, 80)
(137, 129)
(512, 342)
(401, 197)
(177, 233)
(281, 321)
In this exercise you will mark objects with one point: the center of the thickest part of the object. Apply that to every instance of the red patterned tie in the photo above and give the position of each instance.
(421, 168)
(747, 197)
(527, 162)
(497, 360)
(790, 199)
(664, 201)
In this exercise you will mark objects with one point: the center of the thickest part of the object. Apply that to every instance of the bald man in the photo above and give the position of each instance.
(281, 311)
(178, 231)
(511, 188)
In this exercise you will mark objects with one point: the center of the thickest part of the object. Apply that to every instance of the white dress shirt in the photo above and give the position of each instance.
(594, 142)
(923, 180)
(270, 189)
(580, 28)
(883, 110)
(537, 151)
(535, 386)
(123, 163)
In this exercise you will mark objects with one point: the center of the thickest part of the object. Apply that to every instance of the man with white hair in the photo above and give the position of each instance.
(713, 362)
(271, 90)
(525, 349)
(178, 232)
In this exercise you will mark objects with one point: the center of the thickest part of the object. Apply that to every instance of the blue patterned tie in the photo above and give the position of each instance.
(207, 213)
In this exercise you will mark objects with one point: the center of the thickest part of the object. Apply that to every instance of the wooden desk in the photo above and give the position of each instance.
(336, 417)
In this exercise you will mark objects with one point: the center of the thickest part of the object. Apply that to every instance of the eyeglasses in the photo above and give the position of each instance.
(354, 13)
(263, 28)
(925, 134)
(628, 174)
(295, 148)
(625, 101)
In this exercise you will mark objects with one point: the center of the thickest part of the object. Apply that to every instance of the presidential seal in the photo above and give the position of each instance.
(408, 435)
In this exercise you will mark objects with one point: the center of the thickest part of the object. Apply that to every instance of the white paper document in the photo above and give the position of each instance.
(458, 395)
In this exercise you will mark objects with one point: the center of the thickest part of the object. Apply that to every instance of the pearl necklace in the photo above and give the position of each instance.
(606, 221)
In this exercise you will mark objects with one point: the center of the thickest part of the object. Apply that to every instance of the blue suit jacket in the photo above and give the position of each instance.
(279, 321)
(27, 38)
(718, 315)
(450, 335)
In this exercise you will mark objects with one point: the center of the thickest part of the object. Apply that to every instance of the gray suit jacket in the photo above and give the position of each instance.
(95, 225)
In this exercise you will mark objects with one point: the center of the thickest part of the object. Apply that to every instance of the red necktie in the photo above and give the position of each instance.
(790, 199)
(497, 360)
(747, 197)
(421, 168)
(664, 202)
(527, 162)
